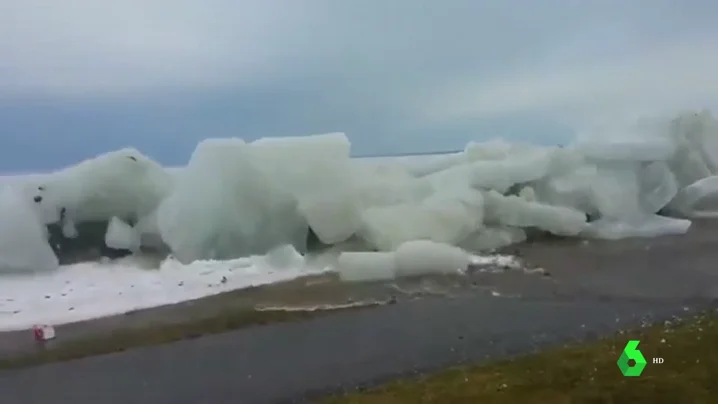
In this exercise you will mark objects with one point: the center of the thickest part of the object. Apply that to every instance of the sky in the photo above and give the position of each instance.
(83, 77)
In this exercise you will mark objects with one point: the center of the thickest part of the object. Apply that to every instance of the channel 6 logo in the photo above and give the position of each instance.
(631, 352)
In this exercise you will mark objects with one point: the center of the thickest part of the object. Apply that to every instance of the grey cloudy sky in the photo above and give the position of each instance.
(80, 77)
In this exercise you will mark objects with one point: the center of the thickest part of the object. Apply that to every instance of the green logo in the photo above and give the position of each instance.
(630, 352)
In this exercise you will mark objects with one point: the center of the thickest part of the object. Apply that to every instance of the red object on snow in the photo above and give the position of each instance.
(43, 332)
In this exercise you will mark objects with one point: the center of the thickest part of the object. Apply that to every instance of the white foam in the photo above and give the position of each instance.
(498, 260)
(91, 290)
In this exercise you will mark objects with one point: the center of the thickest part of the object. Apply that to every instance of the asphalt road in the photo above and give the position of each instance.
(295, 362)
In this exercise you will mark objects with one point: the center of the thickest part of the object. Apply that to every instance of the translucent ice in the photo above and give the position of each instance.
(224, 206)
(366, 266)
(122, 236)
(423, 257)
(23, 239)
(123, 183)
(235, 199)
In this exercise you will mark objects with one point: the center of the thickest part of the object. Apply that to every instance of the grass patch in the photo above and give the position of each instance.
(585, 373)
(121, 340)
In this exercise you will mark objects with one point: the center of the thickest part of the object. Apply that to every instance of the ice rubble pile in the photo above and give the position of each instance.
(237, 199)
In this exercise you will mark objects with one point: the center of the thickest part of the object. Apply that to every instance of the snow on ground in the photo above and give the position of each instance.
(496, 261)
(93, 290)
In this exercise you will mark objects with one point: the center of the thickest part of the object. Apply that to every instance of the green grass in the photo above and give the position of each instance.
(121, 340)
(585, 373)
